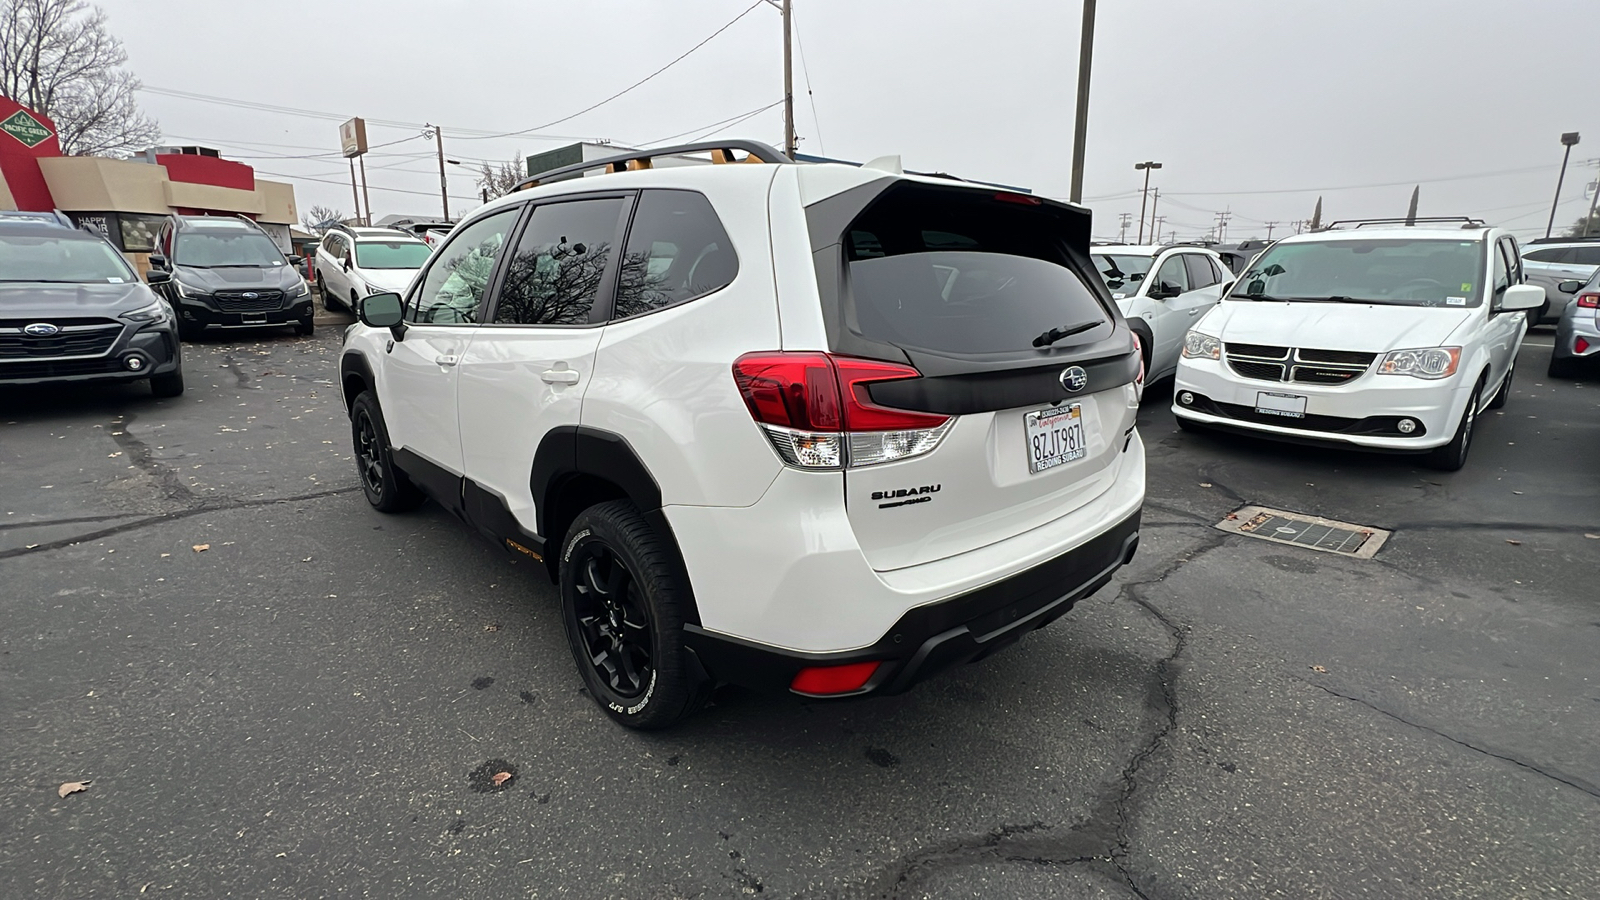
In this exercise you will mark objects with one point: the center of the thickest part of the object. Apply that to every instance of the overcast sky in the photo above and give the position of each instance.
(1254, 105)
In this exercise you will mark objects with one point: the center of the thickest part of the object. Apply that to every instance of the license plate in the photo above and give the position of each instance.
(1272, 403)
(257, 320)
(1055, 436)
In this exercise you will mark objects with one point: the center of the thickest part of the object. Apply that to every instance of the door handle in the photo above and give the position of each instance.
(559, 376)
(446, 361)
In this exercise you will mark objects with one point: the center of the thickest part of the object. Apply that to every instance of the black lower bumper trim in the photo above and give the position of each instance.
(929, 639)
(201, 314)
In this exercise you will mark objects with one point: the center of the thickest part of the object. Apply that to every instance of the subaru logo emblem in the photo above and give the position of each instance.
(250, 295)
(41, 329)
(1074, 379)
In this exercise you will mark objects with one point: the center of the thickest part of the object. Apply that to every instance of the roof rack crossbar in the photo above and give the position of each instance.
(1467, 221)
(721, 152)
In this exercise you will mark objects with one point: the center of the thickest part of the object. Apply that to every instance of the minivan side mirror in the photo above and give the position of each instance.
(157, 276)
(1570, 287)
(384, 311)
(1521, 296)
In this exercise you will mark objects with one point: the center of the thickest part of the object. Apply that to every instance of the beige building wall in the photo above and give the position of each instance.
(277, 202)
(6, 200)
(210, 196)
(89, 183)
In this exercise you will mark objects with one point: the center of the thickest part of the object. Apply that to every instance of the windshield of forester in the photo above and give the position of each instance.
(1405, 271)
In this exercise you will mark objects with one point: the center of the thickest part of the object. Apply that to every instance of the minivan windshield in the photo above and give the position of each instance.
(220, 251)
(961, 272)
(1391, 271)
(1121, 272)
(391, 254)
(73, 260)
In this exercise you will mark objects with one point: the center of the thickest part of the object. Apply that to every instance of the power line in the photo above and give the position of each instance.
(347, 184)
(806, 71)
(731, 119)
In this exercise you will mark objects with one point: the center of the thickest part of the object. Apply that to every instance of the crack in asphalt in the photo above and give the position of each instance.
(172, 488)
(1492, 526)
(70, 520)
(1101, 837)
(1568, 780)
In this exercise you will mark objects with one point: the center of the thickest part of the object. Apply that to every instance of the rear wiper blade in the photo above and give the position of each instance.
(1056, 334)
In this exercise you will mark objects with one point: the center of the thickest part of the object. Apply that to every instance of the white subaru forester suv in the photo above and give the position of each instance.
(1386, 337)
(819, 428)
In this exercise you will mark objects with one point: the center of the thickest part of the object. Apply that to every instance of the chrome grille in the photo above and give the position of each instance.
(236, 301)
(90, 338)
(1304, 365)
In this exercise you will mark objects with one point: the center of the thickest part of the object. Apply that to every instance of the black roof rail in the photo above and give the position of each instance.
(721, 152)
(1466, 221)
(1564, 240)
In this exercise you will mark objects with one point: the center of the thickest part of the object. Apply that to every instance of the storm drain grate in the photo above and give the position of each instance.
(1311, 532)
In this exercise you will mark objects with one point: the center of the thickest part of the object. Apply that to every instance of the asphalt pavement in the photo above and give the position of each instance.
(274, 691)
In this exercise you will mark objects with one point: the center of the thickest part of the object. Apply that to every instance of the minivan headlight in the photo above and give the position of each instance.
(144, 315)
(1426, 362)
(1201, 346)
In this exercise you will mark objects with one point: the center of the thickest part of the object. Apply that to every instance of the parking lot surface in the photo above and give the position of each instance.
(275, 691)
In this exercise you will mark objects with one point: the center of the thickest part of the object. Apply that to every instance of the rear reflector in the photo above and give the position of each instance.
(816, 410)
(833, 679)
(1588, 301)
(1580, 346)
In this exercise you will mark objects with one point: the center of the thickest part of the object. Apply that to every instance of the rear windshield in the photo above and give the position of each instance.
(1391, 271)
(962, 272)
(73, 260)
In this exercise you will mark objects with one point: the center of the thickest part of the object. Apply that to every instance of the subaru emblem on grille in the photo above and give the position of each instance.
(1074, 379)
(41, 329)
(250, 295)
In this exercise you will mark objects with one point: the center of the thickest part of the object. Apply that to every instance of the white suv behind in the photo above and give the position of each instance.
(1389, 338)
(818, 428)
(353, 262)
(1161, 307)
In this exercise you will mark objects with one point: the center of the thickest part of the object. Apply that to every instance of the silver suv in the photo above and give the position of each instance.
(1550, 261)
(820, 428)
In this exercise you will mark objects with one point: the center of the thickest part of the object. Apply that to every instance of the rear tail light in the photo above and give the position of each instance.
(815, 409)
(1588, 301)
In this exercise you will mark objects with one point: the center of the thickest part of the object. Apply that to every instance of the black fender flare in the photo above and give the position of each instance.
(569, 453)
(354, 362)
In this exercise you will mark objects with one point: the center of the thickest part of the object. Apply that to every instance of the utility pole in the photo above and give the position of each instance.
(437, 134)
(1222, 225)
(1270, 226)
(1568, 140)
(1590, 218)
(789, 145)
(1122, 237)
(1080, 133)
(1144, 192)
(1156, 223)
(366, 199)
(1154, 202)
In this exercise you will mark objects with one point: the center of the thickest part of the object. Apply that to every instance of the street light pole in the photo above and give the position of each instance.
(1589, 219)
(1144, 193)
(1568, 140)
(1080, 134)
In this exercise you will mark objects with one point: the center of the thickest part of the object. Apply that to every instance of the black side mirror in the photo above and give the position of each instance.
(1164, 291)
(384, 311)
(157, 261)
(345, 262)
(157, 276)
(1570, 287)
(1226, 287)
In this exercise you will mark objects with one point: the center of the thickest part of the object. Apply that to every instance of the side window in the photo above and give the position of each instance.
(1547, 255)
(553, 276)
(1502, 272)
(1201, 275)
(1171, 275)
(677, 251)
(452, 291)
(1584, 256)
(1219, 271)
(1513, 261)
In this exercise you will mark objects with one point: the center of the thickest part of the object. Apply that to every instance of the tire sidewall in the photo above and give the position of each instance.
(366, 406)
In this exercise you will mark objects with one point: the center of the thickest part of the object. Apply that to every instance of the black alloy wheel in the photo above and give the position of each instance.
(622, 602)
(387, 488)
(1452, 456)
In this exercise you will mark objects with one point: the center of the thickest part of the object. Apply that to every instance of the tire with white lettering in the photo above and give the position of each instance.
(622, 605)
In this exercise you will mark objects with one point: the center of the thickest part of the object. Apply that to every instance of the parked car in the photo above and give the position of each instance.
(815, 428)
(73, 310)
(225, 271)
(1550, 261)
(1578, 332)
(1376, 338)
(1189, 280)
(353, 262)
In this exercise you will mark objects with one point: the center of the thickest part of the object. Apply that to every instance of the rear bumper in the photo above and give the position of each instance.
(932, 638)
(1584, 324)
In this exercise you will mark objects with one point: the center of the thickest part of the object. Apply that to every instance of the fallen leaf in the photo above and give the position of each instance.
(1205, 484)
(495, 626)
(1319, 670)
(1513, 543)
(165, 555)
(1592, 537)
(498, 779)
(72, 787)
(1232, 516)
(201, 548)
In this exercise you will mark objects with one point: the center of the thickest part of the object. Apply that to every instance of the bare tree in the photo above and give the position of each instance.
(500, 180)
(318, 219)
(57, 57)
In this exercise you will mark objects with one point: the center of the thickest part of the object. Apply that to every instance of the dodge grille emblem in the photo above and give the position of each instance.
(41, 329)
(1074, 379)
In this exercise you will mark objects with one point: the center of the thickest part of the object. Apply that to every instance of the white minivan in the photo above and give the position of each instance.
(1386, 337)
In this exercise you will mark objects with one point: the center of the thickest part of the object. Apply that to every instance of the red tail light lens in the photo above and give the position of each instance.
(1022, 199)
(833, 679)
(814, 404)
(1588, 301)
